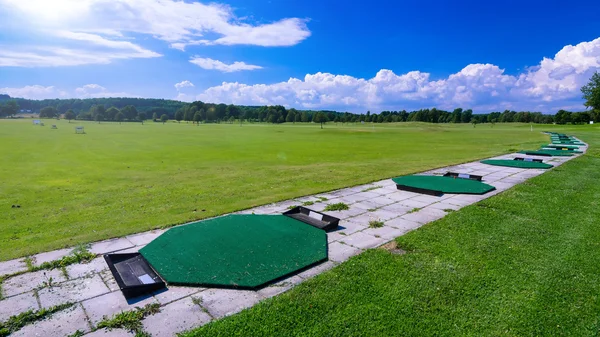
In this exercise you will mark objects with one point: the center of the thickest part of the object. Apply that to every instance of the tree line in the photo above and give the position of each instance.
(140, 109)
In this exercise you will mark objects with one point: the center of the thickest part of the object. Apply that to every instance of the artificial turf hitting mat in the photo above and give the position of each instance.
(436, 185)
(236, 251)
(548, 153)
(563, 146)
(517, 163)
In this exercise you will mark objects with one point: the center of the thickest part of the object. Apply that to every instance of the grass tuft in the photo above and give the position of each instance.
(340, 206)
(80, 255)
(130, 320)
(371, 188)
(14, 323)
(375, 224)
(416, 209)
(308, 203)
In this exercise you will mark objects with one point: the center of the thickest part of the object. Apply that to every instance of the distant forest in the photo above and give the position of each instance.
(140, 109)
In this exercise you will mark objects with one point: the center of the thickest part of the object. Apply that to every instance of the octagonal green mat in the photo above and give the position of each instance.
(236, 251)
(558, 153)
(444, 184)
(516, 163)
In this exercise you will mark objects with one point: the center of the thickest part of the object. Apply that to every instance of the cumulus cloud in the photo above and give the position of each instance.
(96, 91)
(112, 25)
(208, 63)
(49, 92)
(554, 83)
(183, 84)
(34, 92)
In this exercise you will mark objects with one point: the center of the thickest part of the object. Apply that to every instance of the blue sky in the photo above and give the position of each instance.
(344, 55)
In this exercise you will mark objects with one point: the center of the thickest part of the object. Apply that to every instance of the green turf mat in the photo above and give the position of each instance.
(568, 143)
(547, 148)
(563, 146)
(557, 153)
(242, 251)
(516, 163)
(443, 184)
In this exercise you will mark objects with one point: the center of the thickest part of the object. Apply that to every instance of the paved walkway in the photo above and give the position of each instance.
(95, 291)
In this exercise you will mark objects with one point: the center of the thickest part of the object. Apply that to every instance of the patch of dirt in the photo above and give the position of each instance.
(392, 247)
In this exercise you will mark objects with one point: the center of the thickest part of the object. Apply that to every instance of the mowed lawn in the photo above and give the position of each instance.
(525, 262)
(119, 179)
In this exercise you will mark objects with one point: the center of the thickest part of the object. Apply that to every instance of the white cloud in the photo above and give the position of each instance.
(211, 64)
(96, 91)
(48, 92)
(553, 84)
(34, 92)
(183, 84)
(111, 25)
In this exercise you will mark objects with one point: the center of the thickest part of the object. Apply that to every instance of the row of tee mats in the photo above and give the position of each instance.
(437, 185)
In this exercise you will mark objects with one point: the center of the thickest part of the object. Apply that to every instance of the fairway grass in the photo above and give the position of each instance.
(119, 179)
(525, 262)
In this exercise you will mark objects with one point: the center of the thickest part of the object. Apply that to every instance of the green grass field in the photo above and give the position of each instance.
(121, 179)
(523, 263)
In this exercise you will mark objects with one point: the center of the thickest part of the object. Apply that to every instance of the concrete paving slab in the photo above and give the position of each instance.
(60, 324)
(348, 227)
(425, 215)
(50, 256)
(401, 195)
(87, 269)
(404, 224)
(280, 287)
(335, 236)
(174, 293)
(110, 333)
(385, 215)
(145, 238)
(340, 252)
(397, 208)
(17, 304)
(108, 279)
(110, 304)
(314, 271)
(366, 205)
(414, 203)
(12, 266)
(225, 302)
(72, 291)
(458, 201)
(352, 211)
(342, 193)
(386, 232)
(444, 205)
(134, 249)
(29, 281)
(363, 220)
(363, 241)
(319, 206)
(110, 246)
(381, 201)
(176, 317)
(428, 199)
(353, 198)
